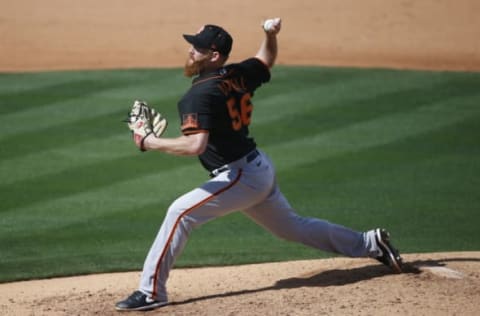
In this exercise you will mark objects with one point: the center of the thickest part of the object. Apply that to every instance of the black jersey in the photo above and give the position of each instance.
(220, 103)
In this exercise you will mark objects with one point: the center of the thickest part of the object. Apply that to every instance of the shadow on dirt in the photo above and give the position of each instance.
(337, 277)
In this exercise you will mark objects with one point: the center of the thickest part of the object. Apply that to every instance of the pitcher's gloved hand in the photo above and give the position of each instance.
(143, 121)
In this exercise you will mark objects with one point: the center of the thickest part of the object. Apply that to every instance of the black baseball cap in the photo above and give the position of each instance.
(212, 37)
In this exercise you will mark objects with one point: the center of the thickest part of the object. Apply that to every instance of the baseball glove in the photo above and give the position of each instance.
(143, 121)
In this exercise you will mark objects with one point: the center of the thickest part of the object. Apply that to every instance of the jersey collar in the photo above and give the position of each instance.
(208, 76)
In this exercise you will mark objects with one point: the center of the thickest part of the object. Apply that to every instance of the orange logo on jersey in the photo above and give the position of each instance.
(190, 121)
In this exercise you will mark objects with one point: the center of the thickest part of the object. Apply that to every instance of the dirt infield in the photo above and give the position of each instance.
(89, 34)
(433, 284)
(57, 34)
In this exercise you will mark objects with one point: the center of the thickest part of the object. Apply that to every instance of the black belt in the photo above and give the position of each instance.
(250, 157)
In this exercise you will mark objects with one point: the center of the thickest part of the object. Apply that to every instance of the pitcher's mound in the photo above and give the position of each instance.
(433, 284)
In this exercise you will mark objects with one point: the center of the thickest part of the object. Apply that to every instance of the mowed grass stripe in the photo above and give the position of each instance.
(398, 155)
(65, 135)
(82, 178)
(344, 111)
(374, 132)
(41, 158)
(70, 112)
(162, 90)
(57, 119)
(355, 172)
(352, 138)
(158, 187)
(58, 115)
(336, 114)
(356, 166)
(58, 87)
(423, 181)
(53, 160)
(324, 88)
(83, 174)
(62, 92)
(44, 107)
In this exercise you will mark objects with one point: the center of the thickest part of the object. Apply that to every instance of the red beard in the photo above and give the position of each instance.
(193, 68)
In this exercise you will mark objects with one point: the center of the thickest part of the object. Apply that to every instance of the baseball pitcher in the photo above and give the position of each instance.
(215, 114)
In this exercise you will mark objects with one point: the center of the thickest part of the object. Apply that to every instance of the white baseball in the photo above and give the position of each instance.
(269, 24)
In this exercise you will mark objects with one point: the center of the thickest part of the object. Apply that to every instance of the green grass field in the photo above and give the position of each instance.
(360, 147)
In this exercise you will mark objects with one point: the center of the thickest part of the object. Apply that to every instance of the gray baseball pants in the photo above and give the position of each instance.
(247, 185)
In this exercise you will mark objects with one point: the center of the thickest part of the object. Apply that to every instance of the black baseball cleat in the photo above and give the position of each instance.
(390, 256)
(138, 301)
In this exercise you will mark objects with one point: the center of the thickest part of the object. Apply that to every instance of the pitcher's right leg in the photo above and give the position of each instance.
(226, 193)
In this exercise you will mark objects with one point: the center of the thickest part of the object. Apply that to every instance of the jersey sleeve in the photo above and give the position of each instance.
(253, 72)
(195, 113)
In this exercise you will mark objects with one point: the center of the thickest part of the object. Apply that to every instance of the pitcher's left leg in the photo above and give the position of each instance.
(277, 216)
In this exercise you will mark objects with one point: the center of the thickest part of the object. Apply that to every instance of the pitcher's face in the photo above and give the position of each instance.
(198, 60)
